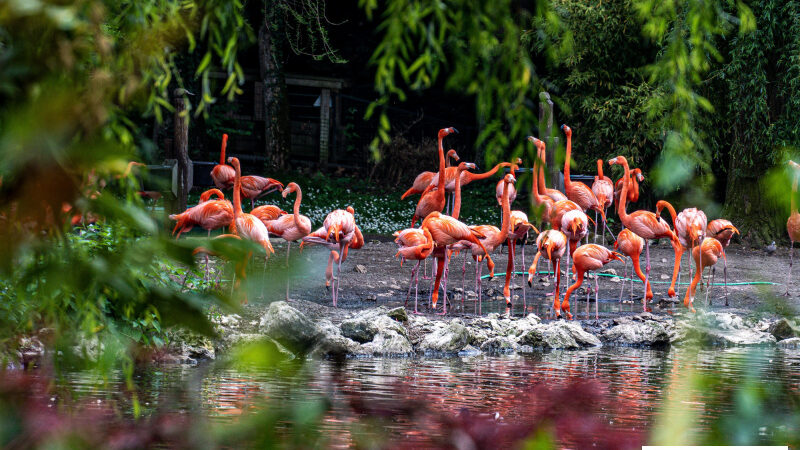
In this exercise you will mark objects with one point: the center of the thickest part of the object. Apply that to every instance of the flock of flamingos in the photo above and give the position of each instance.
(441, 235)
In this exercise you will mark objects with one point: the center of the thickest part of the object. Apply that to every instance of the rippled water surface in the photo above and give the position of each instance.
(633, 385)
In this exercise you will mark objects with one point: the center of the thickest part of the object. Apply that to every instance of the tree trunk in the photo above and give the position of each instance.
(749, 206)
(181, 148)
(277, 136)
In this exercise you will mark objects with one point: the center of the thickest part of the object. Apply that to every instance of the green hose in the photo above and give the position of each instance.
(741, 283)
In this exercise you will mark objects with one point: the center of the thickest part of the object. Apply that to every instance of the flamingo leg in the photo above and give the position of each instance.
(725, 274)
(463, 277)
(556, 303)
(446, 273)
(595, 229)
(596, 299)
(647, 273)
(622, 288)
(479, 269)
(613, 236)
(288, 249)
(524, 298)
(206, 277)
(338, 274)
(416, 287)
(252, 205)
(708, 286)
(408, 294)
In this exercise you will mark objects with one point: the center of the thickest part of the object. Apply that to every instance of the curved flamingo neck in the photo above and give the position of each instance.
(623, 197)
(542, 185)
(441, 167)
(506, 217)
(296, 209)
(237, 190)
(538, 186)
(661, 204)
(567, 181)
(457, 199)
(600, 169)
(222, 152)
(482, 176)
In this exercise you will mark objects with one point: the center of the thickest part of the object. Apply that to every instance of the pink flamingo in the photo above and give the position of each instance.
(223, 174)
(705, 255)
(433, 200)
(579, 192)
(553, 244)
(425, 179)
(414, 244)
(291, 227)
(338, 230)
(723, 231)
(268, 213)
(690, 227)
(632, 245)
(587, 258)
(603, 189)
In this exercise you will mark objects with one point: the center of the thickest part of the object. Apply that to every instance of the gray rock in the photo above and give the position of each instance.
(499, 344)
(782, 329)
(331, 343)
(448, 339)
(366, 324)
(399, 314)
(290, 327)
(558, 334)
(791, 343)
(721, 329)
(469, 351)
(388, 342)
(635, 333)
(360, 268)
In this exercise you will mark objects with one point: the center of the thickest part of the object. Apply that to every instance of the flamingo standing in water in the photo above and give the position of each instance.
(223, 174)
(793, 224)
(575, 225)
(291, 227)
(705, 255)
(644, 224)
(519, 231)
(586, 258)
(603, 189)
(579, 192)
(632, 245)
(690, 227)
(552, 243)
(433, 200)
(721, 230)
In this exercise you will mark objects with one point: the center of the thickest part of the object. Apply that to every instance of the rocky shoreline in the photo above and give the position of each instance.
(307, 329)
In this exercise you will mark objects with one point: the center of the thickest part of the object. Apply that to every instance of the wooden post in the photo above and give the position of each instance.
(546, 134)
(181, 148)
(324, 126)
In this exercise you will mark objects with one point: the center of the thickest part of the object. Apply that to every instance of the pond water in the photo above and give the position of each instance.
(416, 402)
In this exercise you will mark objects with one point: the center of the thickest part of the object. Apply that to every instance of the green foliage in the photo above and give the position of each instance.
(469, 47)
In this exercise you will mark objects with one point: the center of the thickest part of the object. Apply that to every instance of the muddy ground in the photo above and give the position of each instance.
(371, 276)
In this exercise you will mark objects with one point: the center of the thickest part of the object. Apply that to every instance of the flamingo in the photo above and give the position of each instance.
(628, 243)
(268, 213)
(208, 214)
(705, 255)
(644, 224)
(247, 226)
(586, 258)
(512, 191)
(633, 187)
(554, 194)
(445, 231)
(433, 200)
(575, 225)
(579, 192)
(603, 190)
(540, 201)
(721, 230)
(553, 243)
(690, 227)
(254, 186)
(793, 224)
(425, 179)
(338, 230)
(414, 244)
(223, 174)
(519, 230)
(492, 238)
(291, 227)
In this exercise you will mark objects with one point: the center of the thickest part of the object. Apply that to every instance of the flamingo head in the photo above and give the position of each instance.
(617, 160)
(336, 231)
(638, 172)
(793, 164)
(445, 131)
(234, 161)
(615, 255)
(291, 187)
(467, 166)
(350, 210)
(452, 154)
(575, 225)
(509, 178)
(532, 139)
(567, 130)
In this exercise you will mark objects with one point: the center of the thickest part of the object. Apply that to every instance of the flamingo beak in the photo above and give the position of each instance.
(617, 256)
(735, 230)
(453, 130)
(532, 139)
